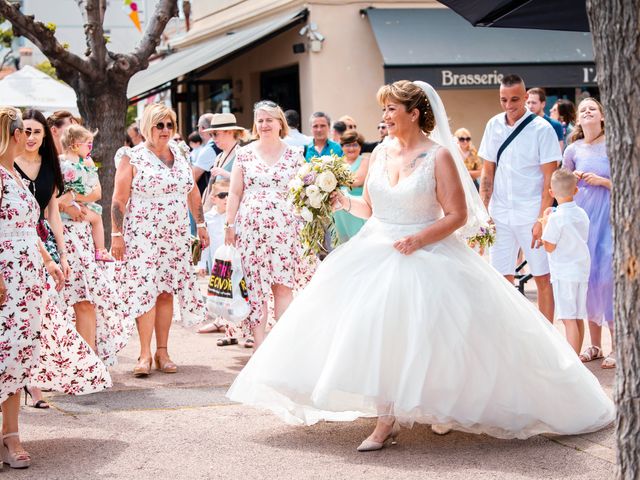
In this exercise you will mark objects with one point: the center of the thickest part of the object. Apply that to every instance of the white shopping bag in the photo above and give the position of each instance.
(227, 294)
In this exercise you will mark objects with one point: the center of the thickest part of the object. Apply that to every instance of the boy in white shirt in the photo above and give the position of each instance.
(565, 235)
(214, 218)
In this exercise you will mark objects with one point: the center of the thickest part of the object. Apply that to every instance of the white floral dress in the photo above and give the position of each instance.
(89, 282)
(268, 231)
(157, 237)
(37, 346)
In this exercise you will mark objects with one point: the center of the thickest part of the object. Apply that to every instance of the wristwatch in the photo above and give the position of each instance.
(229, 225)
(201, 225)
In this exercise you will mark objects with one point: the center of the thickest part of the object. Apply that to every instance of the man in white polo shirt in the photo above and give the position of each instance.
(521, 154)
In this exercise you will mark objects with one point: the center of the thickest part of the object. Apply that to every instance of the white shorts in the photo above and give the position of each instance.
(504, 252)
(571, 299)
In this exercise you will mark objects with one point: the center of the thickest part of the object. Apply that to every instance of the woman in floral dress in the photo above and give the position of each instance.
(151, 239)
(62, 349)
(263, 222)
(89, 290)
(24, 300)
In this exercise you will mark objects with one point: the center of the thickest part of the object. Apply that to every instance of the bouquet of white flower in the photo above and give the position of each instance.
(310, 190)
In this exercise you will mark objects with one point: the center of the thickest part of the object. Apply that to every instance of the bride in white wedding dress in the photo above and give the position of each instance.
(408, 324)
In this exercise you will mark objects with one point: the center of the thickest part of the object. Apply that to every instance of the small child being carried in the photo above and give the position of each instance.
(81, 179)
(566, 230)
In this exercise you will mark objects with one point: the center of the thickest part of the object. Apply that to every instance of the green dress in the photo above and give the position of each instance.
(346, 224)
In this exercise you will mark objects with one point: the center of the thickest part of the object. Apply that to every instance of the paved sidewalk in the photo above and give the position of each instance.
(182, 427)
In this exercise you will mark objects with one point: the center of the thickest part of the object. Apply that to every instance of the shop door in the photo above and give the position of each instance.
(282, 86)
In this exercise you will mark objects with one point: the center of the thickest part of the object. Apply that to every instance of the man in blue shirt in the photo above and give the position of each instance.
(321, 145)
(536, 101)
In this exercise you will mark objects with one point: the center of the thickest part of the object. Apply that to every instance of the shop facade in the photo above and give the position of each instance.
(332, 56)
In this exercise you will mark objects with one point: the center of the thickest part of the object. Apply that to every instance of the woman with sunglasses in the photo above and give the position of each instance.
(351, 142)
(40, 170)
(23, 261)
(154, 190)
(469, 154)
(261, 219)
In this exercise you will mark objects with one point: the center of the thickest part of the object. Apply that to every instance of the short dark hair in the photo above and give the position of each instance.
(511, 80)
(293, 119)
(351, 136)
(194, 137)
(539, 92)
(340, 127)
(320, 115)
(566, 110)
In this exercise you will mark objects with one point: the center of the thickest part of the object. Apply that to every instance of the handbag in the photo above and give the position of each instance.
(227, 294)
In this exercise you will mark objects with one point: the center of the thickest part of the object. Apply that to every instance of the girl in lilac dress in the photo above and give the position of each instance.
(587, 158)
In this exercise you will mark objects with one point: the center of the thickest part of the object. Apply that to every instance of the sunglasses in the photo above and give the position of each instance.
(28, 132)
(464, 139)
(162, 125)
(351, 127)
(265, 103)
(222, 195)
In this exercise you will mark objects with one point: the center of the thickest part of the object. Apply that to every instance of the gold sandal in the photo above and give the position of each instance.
(165, 364)
(142, 368)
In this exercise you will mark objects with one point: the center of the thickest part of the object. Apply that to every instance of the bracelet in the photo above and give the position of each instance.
(73, 195)
(116, 234)
(201, 225)
(349, 198)
(229, 225)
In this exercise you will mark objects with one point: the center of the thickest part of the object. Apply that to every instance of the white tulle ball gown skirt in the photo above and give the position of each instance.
(434, 337)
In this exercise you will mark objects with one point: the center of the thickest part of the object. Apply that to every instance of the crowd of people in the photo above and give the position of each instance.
(229, 185)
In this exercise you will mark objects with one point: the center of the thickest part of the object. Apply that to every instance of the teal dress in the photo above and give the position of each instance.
(346, 224)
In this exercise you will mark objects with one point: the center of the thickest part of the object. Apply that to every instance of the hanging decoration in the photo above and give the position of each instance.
(132, 8)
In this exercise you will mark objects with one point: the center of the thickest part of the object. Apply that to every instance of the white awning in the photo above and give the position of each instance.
(196, 56)
(31, 88)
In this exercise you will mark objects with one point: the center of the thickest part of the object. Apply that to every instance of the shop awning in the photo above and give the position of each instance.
(439, 46)
(216, 49)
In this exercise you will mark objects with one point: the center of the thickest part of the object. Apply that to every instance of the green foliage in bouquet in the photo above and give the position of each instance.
(310, 191)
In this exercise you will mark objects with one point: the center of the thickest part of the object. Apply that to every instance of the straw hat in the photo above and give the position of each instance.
(223, 121)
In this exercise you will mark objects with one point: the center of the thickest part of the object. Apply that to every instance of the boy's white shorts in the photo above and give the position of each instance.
(570, 299)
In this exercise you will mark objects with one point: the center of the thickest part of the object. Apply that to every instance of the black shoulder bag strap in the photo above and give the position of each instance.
(513, 135)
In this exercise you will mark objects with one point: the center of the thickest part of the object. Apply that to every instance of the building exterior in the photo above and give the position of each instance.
(65, 14)
(332, 55)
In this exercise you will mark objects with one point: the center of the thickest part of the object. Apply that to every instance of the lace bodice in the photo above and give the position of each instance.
(412, 201)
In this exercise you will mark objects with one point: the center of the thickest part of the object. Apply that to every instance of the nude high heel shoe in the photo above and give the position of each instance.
(14, 460)
(372, 446)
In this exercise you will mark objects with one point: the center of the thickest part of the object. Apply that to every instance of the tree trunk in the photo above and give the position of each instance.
(105, 108)
(616, 39)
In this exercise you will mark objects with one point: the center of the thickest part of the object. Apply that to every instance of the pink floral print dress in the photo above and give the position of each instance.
(37, 346)
(267, 229)
(90, 282)
(157, 238)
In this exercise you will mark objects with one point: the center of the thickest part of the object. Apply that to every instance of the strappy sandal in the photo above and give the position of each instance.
(591, 353)
(249, 343)
(142, 368)
(225, 342)
(609, 362)
(165, 364)
(212, 327)
(20, 459)
(103, 255)
(42, 404)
